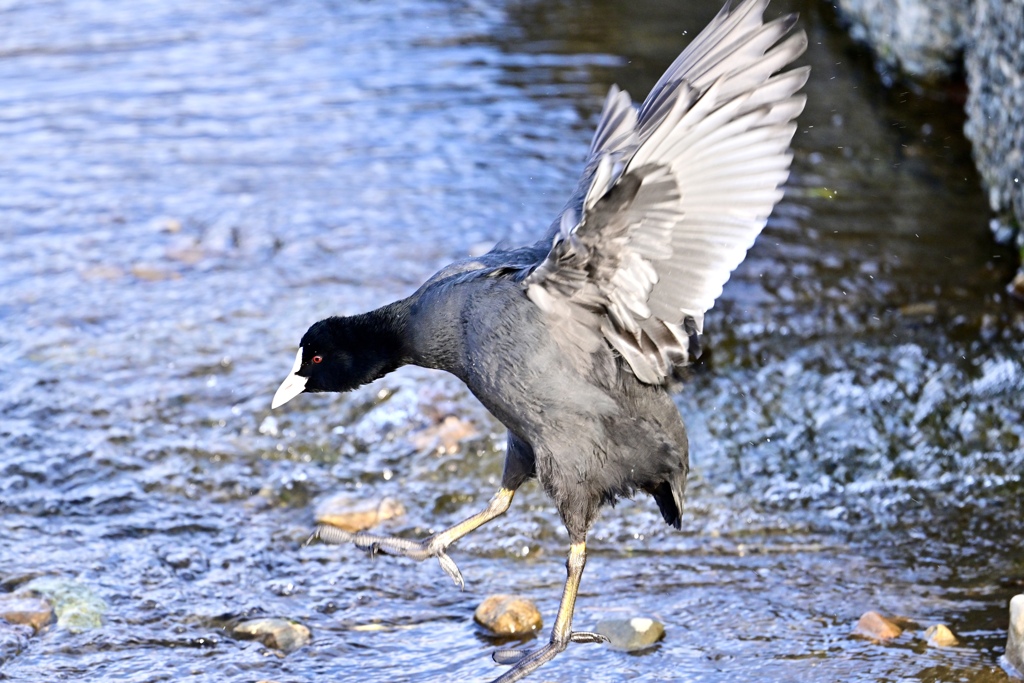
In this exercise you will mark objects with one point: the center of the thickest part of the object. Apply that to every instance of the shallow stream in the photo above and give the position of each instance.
(188, 185)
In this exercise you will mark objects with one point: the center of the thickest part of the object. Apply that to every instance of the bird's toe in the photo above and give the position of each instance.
(451, 569)
(510, 656)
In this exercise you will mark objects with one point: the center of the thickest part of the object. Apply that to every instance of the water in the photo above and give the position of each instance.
(187, 187)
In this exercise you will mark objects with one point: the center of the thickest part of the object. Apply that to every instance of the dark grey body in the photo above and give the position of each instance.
(590, 432)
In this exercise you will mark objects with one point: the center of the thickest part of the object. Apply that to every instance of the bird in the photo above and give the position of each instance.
(575, 342)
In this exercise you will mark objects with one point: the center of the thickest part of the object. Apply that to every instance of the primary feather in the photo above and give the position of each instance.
(673, 195)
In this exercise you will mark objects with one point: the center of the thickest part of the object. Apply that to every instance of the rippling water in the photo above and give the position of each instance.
(188, 186)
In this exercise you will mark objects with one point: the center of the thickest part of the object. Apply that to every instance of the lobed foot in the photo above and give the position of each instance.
(526, 662)
(389, 545)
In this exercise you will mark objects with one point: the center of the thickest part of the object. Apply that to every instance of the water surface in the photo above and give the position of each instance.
(188, 186)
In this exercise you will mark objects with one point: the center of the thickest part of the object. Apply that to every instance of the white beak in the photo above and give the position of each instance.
(292, 386)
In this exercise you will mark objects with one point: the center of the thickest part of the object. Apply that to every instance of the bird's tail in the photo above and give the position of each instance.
(669, 495)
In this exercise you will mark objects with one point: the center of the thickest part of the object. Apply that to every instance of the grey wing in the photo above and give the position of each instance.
(675, 195)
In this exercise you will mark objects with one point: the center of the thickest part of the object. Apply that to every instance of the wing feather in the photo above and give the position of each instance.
(673, 195)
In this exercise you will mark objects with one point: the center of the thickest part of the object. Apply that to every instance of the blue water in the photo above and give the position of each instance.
(188, 186)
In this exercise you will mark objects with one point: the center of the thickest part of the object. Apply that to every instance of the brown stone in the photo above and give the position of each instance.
(189, 255)
(30, 611)
(354, 515)
(152, 273)
(280, 634)
(445, 436)
(507, 615)
(876, 627)
(939, 635)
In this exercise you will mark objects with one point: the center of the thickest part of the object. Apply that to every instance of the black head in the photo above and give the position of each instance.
(340, 354)
(330, 349)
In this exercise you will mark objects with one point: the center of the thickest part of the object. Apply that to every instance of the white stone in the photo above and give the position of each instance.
(1015, 638)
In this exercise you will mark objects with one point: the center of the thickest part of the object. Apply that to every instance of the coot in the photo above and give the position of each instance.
(572, 342)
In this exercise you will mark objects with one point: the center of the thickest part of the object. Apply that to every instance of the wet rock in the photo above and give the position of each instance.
(920, 309)
(1016, 288)
(876, 627)
(102, 272)
(352, 514)
(77, 606)
(445, 436)
(507, 615)
(1015, 638)
(26, 610)
(276, 633)
(924, 39)
(631, 634)
(13, 639)
(919, 37)
(994, 63)
(189, 254)
(152, 273)
(9, 583)
(939, 635)
(188, 561)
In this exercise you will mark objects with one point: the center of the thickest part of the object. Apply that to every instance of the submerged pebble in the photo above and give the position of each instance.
(352, 515)
(26, 610)
(939, 635)
(274, 632)
(1015, 637)
(631, 634)
(445, 436)
(77, 606)
(507, 615)
(873, 625)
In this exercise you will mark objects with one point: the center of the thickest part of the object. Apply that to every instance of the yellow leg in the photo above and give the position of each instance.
(435, 546)
(561, 633)
(499, 504)
(574, 572)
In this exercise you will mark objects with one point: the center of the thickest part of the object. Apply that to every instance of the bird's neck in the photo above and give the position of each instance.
(380, 338)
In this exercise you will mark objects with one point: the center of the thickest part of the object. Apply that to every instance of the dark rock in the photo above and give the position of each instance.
(352, 515)
(633, 634)
(508, 615)
(876, 627)
(13, 639)
(26, 610)
(276, 633)
(939, 635)
(11, 582)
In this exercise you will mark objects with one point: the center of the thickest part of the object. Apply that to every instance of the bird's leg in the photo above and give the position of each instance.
(434, 546)
(562, 634)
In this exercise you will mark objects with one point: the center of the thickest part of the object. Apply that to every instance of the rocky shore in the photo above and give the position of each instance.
(933, 41)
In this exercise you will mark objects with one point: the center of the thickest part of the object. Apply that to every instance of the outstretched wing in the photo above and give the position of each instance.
(673, 196)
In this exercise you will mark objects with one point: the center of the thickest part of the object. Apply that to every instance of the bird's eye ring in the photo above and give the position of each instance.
(317, 359)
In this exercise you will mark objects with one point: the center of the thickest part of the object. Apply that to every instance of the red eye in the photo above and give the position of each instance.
(317, 359)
